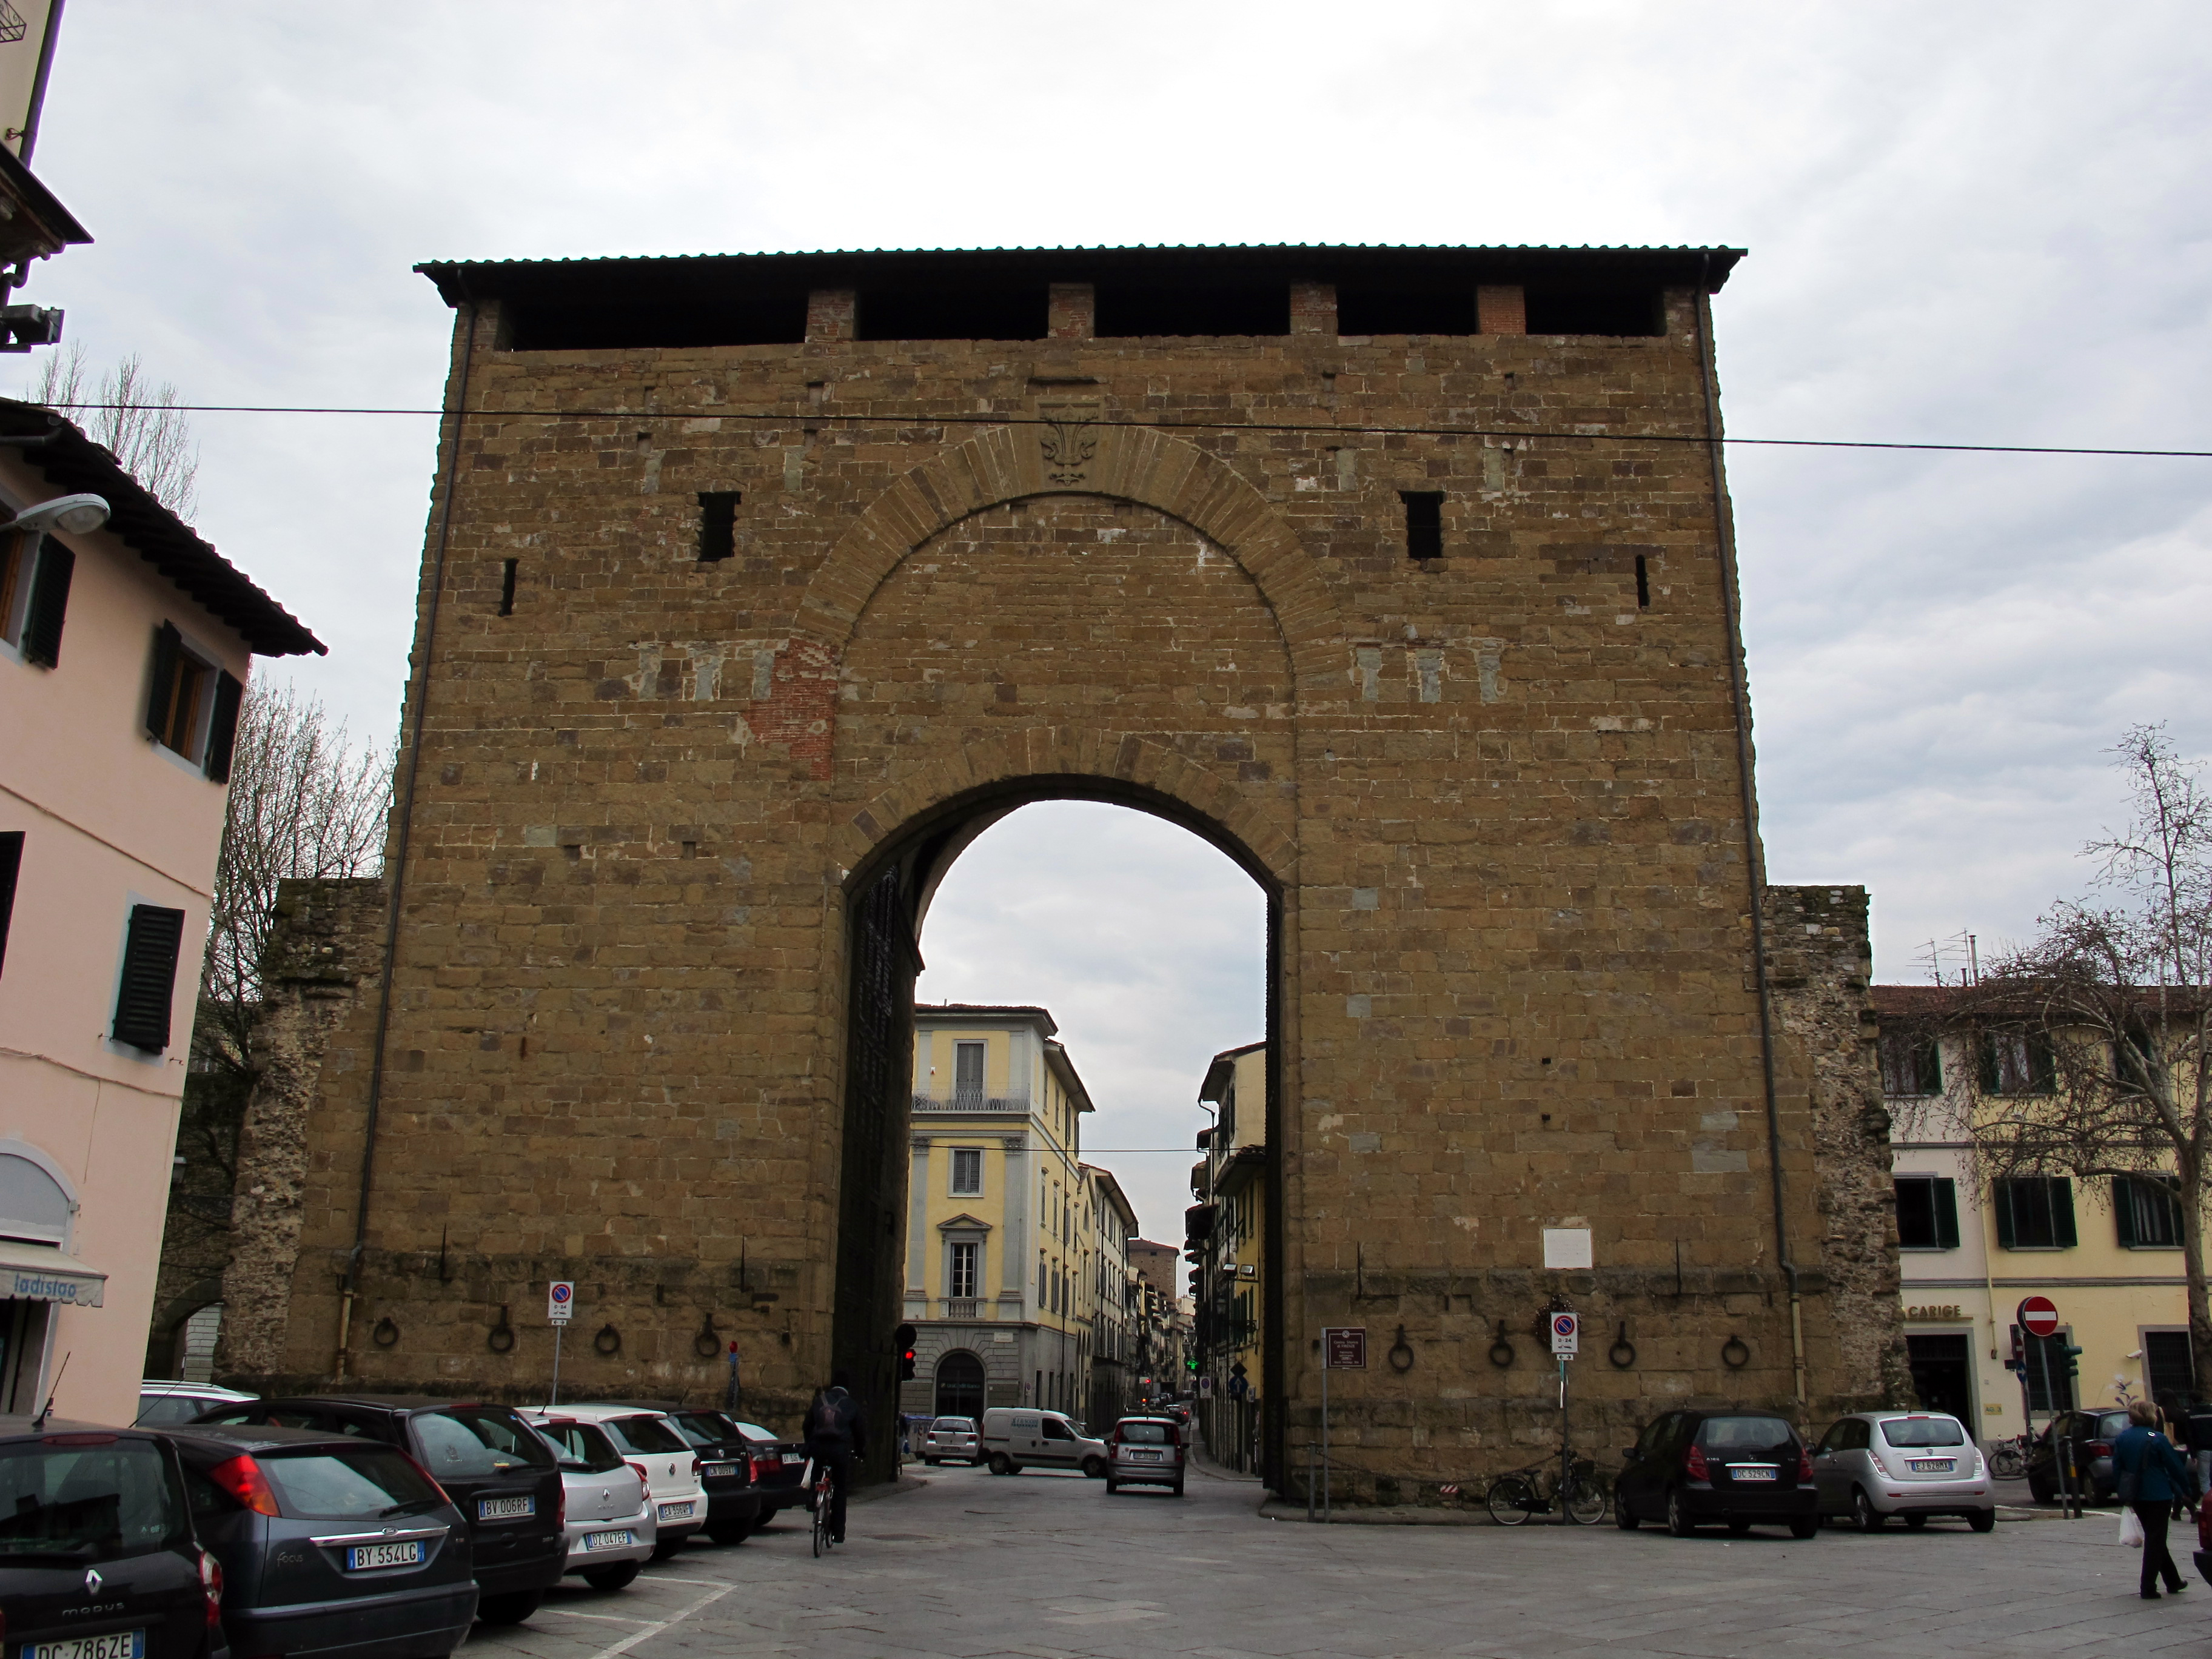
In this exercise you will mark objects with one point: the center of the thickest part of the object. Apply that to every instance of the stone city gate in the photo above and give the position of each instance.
(758, 585)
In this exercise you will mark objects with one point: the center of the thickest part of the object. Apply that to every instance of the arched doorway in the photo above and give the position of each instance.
(960, 1385)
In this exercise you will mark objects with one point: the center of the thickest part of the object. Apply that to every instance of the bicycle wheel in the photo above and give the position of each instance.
(2006, 1462)
(821, 1516)
(1512, 1500)
(1585, 1501)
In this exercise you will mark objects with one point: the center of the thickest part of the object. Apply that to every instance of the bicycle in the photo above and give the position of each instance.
(1515, 1496)
(819, 1488)
(2008, 1459)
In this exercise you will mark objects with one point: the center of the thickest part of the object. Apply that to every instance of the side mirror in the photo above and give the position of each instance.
(1630, 1455)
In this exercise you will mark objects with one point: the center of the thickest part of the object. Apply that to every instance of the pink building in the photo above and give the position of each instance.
(125, 643)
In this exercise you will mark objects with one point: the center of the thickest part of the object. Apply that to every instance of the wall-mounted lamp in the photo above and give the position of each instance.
(78, 514)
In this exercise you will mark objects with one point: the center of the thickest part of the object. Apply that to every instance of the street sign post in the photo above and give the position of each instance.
(2037, 1316)
(1343, 1348)
(559, 1303)
(1567, 1344)
(1566, 1335)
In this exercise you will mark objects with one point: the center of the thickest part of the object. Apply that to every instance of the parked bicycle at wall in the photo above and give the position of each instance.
(2008, 1459)
(1524, 1494)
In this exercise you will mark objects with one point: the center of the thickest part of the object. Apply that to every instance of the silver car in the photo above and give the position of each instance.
(611, 1526)
(952, 1440)
(1872, 1465)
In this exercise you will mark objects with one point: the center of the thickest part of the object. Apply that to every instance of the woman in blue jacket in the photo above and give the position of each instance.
(2153, 1479)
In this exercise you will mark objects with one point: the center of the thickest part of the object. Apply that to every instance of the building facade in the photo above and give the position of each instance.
(125, 643)
(1226, 1232)
(1167, 1350)
(2106, 1253)
(1117, 1302)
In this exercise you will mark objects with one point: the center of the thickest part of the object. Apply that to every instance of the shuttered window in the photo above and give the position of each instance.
(191, 706)
(222, 727)
(1909, 1065)
(1927, 1212)
(11, 863)
(49, 603)
(2018, 1062)
(2146, 1213)
(149, 977)
(2034, 1213)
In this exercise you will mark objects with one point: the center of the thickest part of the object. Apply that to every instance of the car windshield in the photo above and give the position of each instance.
(1923, 1431)
(754, 1431)
(171, 1407)
(1145, 1434)
(461, 1441)
(2111, 1425)
(582, 1446)
(953, 1426)
(704, 1428)
(1763, 1434)
(643, 1434)
(367, 1484)
(87, 1498)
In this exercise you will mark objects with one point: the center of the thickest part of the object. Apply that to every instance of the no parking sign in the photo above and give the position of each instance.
(1566, 1335)
(560, 1301)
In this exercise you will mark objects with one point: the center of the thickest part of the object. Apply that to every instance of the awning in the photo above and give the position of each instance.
(33, 1273)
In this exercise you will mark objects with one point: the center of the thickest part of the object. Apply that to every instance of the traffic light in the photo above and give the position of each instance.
(2073, 1357)
(1190, 1364)
(903, 1339)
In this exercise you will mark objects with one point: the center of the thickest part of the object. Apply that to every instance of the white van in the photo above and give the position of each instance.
(1016, 1437)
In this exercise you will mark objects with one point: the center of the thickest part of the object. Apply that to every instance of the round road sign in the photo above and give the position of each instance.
(2038, 1316)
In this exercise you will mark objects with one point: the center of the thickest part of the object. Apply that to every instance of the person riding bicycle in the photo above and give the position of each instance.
(836, 1432)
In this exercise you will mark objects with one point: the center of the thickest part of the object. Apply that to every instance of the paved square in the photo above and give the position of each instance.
(1047, 1566)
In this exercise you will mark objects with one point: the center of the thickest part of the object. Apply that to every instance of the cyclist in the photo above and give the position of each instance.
(836, 1433)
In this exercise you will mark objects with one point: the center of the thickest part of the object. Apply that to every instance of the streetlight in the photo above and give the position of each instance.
(78, 514)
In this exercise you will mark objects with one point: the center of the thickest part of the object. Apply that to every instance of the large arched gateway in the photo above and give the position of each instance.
(758, 587)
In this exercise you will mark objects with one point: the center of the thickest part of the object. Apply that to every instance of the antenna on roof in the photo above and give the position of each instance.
(39, 1422)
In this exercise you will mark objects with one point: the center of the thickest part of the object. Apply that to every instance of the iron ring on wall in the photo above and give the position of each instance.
(1400, 1347)
(1501, 1351)
(1622, 1354)
(1735, 1355)
(386, 1333)
(707, 1345)
(609, 1341)
(501, 1338)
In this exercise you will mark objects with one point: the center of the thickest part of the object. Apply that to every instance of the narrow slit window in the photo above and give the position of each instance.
(1424, 523)
(967, 1172)
(718, 524)
(1643, 582)
(506, 586)
(11, 863)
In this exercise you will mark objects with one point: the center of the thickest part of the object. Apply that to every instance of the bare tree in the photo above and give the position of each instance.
(2091, 1038)
(139, 422)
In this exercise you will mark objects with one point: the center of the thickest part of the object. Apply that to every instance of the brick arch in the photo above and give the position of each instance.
(1132, 464)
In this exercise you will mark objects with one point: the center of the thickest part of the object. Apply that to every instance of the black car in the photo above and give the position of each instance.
(779, 1470)
(2090, 1474)
(726, 1467)
(501, 1475)
(98, 1559)
(1744, 1467)
(329, 1544)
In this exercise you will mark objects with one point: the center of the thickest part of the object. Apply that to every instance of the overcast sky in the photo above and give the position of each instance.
(1968, 222)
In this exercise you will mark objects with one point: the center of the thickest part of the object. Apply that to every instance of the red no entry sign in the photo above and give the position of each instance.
(2037, 1316)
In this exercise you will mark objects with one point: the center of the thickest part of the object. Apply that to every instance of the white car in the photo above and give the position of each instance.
(650, 1445)
(612, 1531)
(161, 1401)
(952, 1439)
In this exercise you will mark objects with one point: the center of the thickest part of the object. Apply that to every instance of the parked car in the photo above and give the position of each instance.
(328, 1543)
(1016, 1437)
(609, 1515)
(1872, 1465)
(779, 1472)
(2091, 1434)
(1144, 1451)
(726, 1467)
(952, 1440)
(162, 1402)
(1743, 1468)
(98, 1559)
(500, 1474)
(663, 1457)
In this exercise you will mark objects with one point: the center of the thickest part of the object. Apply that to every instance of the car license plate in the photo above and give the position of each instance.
(1933, 1465)
(362, 1556)
(795, 1457)
(1144, 1457)
(119, 1644)
(499, 1508)
(718, 1470)
(607, 1540)
(1752, 1471)
(675, 1512)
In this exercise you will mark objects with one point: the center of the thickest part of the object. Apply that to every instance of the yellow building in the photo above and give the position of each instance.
(1011, 1242)
(2108, 1253)
(1226, 1235)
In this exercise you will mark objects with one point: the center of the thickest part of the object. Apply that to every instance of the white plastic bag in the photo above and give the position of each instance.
(2131, 1531)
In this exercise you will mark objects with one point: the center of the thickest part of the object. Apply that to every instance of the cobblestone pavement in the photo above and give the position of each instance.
(1047, 1566)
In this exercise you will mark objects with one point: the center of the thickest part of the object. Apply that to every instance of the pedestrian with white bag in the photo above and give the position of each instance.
(2153, 1478)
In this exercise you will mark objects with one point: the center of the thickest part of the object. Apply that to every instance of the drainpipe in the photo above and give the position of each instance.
(44, 72)
(1724, 536)
(350, 1288)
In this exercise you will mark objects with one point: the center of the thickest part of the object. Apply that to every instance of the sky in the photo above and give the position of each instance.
(1970, 222)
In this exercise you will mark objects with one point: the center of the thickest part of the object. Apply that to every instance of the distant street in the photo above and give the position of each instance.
(1047, 1566)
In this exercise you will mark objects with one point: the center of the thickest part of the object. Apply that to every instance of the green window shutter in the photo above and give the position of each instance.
(1947, 1214)
(50, 588)
(1987, 1054)
(2001, 1201)
(2124, 1211)
(222, 727)
(168, 645)
(2062, 1212)
(11, 862)
(149, 977)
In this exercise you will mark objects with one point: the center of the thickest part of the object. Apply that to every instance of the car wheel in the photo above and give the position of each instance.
(1001, 1464)
(667, 1547)
(1623, 1516)
(2041, 1493)
(514, 1606)
(1805, 1526)
(1864, 1516)
(1739, 1528)
(1112, 1485)
(1176, 1489)
(929, 1462)
(1982, 1520)
(1915, 1522)
(1678, 1518)
(1094, 1468)
(729, 1532)
(614, 1577)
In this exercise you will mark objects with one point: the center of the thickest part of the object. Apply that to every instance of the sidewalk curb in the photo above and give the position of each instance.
(1370, 1514)
(905, 1483)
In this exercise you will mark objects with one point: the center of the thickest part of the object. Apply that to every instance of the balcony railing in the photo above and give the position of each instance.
(963, 1307)
(968, 1103)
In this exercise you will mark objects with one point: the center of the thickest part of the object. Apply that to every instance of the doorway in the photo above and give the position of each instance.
(960, 1385)
(1943, 1373)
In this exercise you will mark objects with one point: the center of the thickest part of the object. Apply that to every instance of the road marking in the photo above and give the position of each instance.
(605, 1618)
(631, 1641)
(671, 1578)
